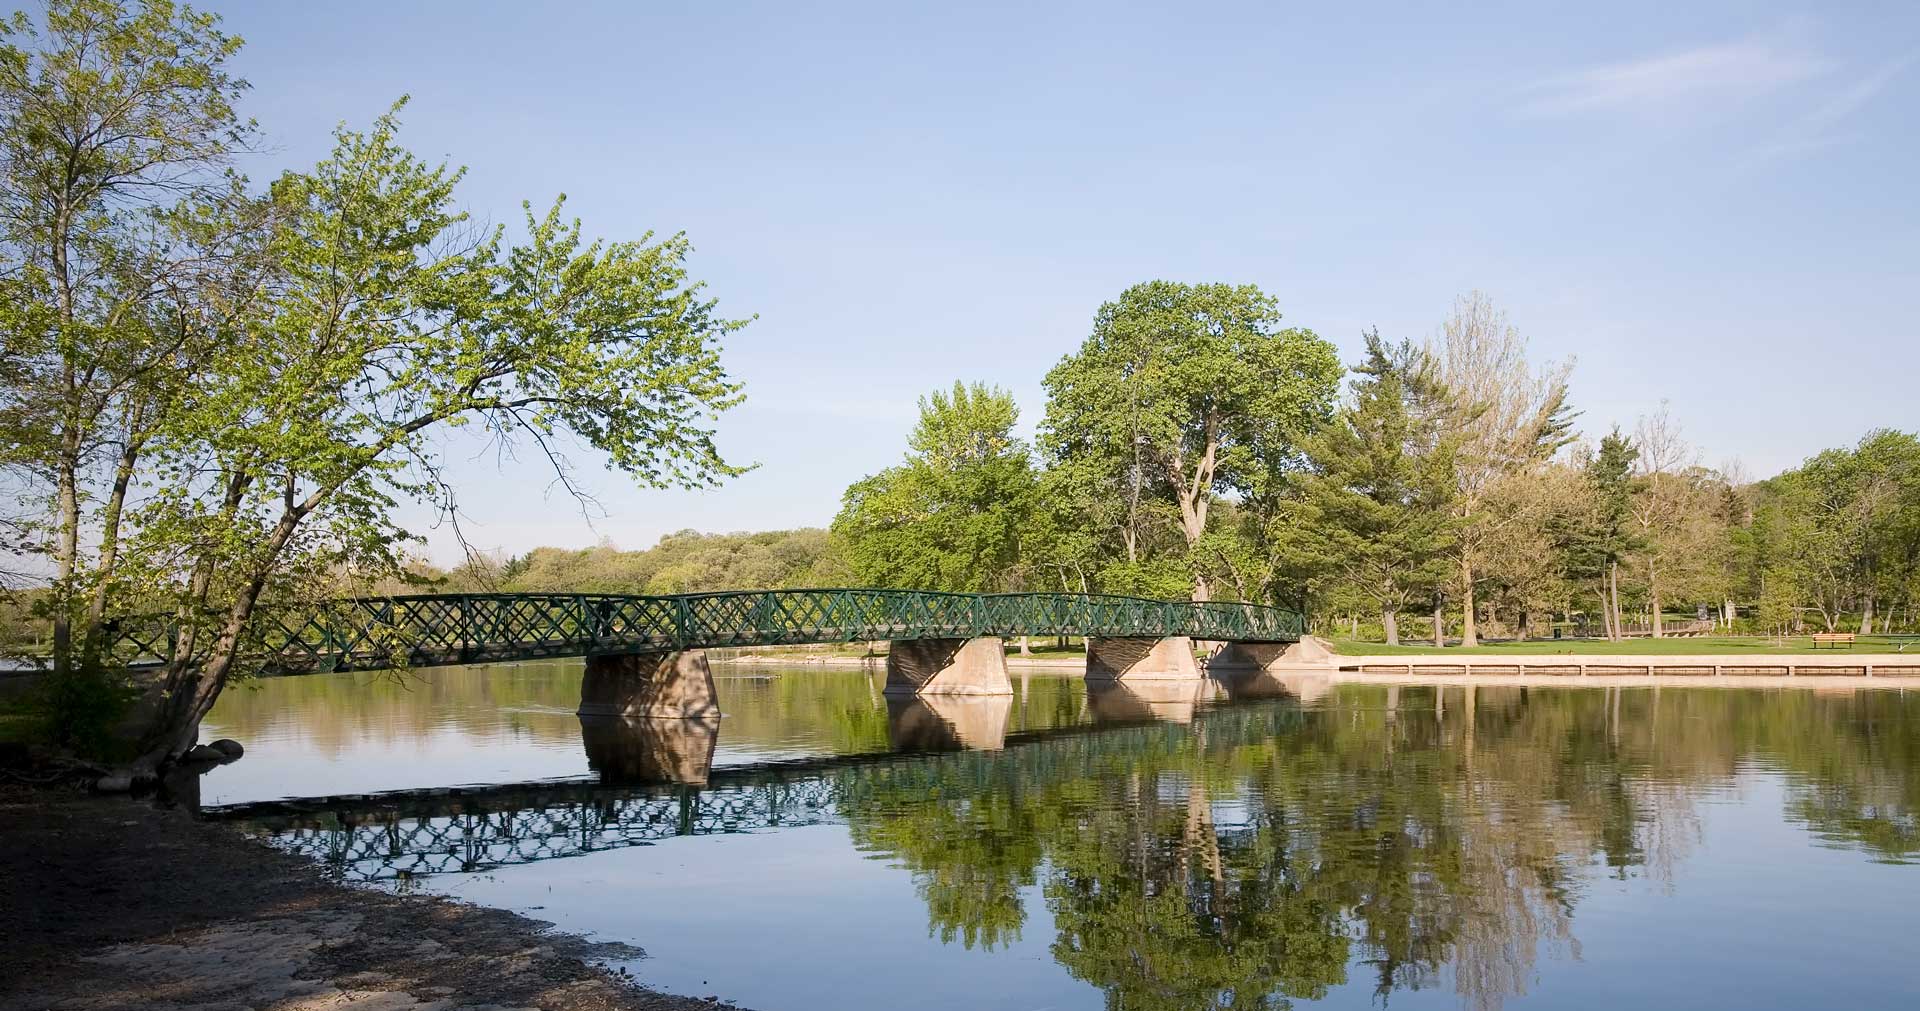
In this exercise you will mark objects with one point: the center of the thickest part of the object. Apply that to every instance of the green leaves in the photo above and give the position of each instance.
(263, 377)
(1182, 394)
(1376, 510)
(959, 513)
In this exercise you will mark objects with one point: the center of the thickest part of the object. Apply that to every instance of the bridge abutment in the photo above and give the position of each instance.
(976, 666)
(672, 685)
(1141, 659)
(1309, 653)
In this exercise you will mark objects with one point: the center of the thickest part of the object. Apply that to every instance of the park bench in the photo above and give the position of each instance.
(1832, 640)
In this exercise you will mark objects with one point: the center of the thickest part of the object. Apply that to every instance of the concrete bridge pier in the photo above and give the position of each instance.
(1309, 653)
(670, 685)
(975, 666)
(1141, 659)
(1270, 670)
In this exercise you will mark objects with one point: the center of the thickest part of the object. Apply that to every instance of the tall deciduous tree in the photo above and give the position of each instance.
(124, 248)
(1186, 392)
(270, 372)
(956, 515)
(1510, 419)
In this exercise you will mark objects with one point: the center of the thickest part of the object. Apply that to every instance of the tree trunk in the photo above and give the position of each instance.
(1469, 634)
(1026, 647)
(1439, 625)
(1523, 630)
(66, 556)
(1613, 580)
(1653, 594)
(1390, 621)
(1866, 617)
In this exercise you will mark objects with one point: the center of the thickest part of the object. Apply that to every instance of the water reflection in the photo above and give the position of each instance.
(948, 722)
(1122, 702)
(640, 750)
(1175, 852)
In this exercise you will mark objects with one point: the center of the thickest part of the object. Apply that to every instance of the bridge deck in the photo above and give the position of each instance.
(379, 633)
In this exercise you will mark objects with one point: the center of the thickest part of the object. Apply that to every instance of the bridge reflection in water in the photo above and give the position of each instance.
(655, 780)
(1395, 839)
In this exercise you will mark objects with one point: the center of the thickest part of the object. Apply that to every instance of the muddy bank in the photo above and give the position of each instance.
(114, 903)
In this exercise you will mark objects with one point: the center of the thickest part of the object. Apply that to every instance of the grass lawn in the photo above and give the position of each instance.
(1655, 647)
(1043, 649)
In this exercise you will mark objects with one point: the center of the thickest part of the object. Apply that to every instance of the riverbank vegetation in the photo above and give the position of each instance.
(1447, 485)
(215, 393)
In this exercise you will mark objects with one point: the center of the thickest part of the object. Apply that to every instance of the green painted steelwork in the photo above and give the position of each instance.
(379, 633)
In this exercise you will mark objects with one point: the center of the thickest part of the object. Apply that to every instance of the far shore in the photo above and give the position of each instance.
(1832, 667)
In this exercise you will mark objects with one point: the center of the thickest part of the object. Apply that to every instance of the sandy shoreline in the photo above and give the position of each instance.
(116, 904)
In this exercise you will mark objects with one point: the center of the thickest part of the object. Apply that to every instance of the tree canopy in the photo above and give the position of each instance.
(222, 391)
(958, 513)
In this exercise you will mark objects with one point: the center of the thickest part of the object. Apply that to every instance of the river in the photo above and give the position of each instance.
(1349, 847)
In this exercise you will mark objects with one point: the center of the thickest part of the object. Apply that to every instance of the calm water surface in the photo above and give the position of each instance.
(1357, 846)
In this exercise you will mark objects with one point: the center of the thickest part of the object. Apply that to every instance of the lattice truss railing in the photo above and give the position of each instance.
(469, 837)
(377, 633)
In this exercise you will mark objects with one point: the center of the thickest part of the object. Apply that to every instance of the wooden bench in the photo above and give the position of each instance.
(1833, 640)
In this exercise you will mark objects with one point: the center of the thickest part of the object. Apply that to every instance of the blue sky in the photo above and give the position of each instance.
(1712, 204)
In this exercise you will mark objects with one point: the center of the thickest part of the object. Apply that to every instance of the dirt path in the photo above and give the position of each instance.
(112, 903)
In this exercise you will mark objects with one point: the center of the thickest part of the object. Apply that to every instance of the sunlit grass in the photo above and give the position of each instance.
(1653, 647)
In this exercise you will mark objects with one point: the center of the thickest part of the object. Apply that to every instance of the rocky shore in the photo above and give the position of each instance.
(114, 903)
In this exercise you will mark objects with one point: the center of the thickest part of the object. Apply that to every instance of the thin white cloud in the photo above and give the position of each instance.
(1821, 127)
(1860, 92)
(1728, 71)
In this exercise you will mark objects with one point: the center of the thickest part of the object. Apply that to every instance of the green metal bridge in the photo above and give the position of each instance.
(429, 630)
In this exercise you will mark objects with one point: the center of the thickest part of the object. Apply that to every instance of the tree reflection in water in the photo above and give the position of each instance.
(1239, 855)
(1225, 868)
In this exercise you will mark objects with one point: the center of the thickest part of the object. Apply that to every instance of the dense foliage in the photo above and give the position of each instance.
(216, 393)
(1190, 446)
(683, 562)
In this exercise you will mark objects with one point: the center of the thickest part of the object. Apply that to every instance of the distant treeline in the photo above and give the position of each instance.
(1191, 446)
(683, 562)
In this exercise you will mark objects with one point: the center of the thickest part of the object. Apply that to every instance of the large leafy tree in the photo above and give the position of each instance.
(1185, 393)
(957, 513)
(1845, 528)
(124, 247)
(277, 392)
